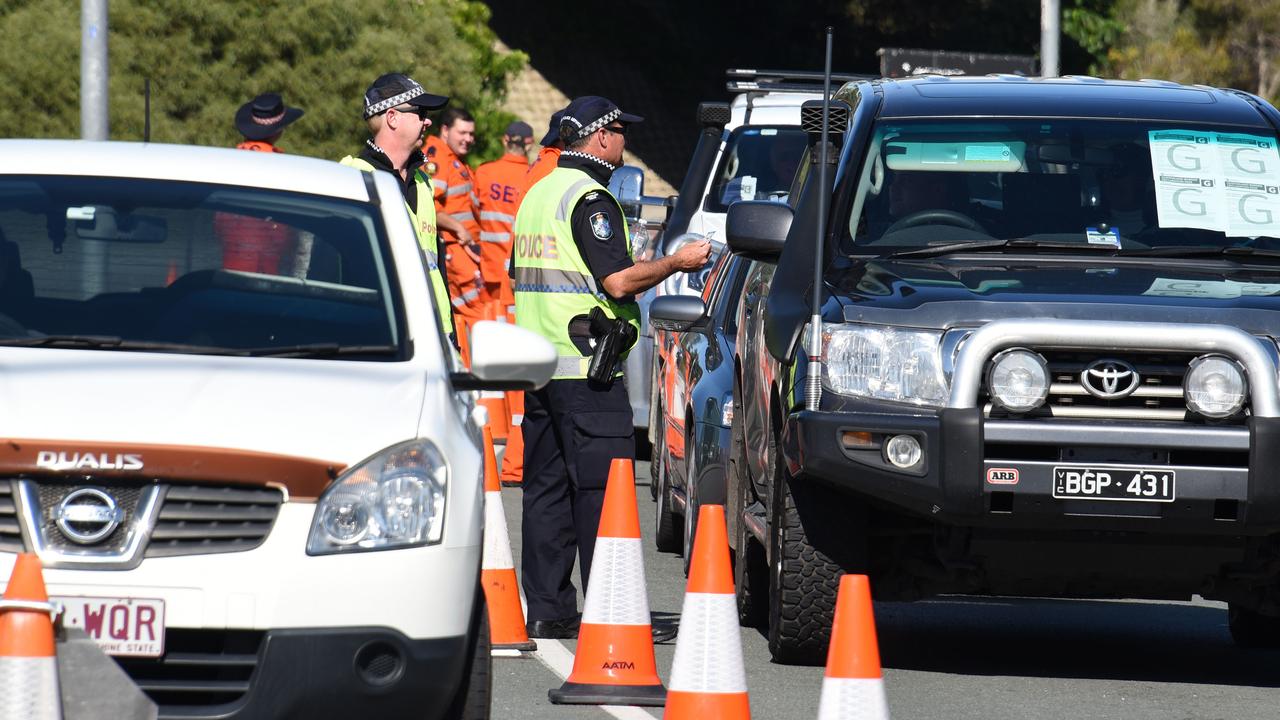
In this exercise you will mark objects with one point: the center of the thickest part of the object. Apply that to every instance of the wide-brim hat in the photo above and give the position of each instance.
(264, 116)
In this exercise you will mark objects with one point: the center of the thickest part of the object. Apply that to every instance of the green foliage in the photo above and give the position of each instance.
(205, 59)
(1234, 43)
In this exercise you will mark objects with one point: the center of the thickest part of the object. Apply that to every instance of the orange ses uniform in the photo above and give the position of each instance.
(542, 166)
(455, 196)
(253, 244)
(501, 187)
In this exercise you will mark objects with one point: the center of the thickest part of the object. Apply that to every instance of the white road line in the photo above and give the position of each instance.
(559, 660)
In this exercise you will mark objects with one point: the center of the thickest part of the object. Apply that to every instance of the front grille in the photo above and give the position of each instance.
(51, 494)
(10, 532)
(1158, 397)
(202, 519)
(200, 668)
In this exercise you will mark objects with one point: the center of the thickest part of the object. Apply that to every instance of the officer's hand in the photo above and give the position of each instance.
(692, 256)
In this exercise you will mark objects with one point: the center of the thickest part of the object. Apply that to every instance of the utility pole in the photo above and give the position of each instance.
(93, 123)
(1050, 32)
(93, 69)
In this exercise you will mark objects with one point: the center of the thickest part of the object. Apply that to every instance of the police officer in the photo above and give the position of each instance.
(573, 256)
(395, 108)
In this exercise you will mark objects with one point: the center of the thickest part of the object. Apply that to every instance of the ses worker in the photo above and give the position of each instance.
(575, 284)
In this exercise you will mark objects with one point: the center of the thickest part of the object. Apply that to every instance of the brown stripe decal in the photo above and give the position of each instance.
(303, 477)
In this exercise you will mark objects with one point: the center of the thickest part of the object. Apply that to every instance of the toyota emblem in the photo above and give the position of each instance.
(1110, 379)
(87, 515)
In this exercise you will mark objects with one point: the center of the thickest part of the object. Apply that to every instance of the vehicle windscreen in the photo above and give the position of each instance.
(1100, 184)
(108, 263)
(758, 163)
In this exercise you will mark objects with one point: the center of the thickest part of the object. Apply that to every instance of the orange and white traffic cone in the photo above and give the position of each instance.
(497, 569)
(28, 668)
(513, 456)
(853, 687)
(495, 401)
(614, 664)
(708, 680)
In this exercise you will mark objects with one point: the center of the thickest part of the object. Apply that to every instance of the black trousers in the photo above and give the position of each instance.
(573, 429)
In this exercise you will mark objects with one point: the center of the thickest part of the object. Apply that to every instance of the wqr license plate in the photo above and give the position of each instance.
(1113, 483)
(128, 627)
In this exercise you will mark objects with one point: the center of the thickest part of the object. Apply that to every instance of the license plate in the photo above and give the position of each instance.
(1113, 483)
(128, 627)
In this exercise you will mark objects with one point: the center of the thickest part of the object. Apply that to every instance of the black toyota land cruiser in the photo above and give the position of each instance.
(1050, 317)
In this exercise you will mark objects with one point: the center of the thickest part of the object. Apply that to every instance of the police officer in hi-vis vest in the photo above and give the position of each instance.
(395, 108)
(575, 284)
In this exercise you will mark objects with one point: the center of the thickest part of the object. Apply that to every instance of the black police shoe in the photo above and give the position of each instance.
(562, 629)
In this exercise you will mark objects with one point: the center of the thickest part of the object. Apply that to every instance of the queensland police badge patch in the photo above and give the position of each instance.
(600, 226)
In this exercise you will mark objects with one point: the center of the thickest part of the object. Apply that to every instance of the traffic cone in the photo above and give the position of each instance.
(497, 569)
(853, 687)
(28, 668)
(708, 680)
(513, 456)
(495, 401)
(614, 664)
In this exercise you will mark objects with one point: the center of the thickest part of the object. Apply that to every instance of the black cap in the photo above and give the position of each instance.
(519, 129)
(264, 116)
(589, 113)
(395, 89)
(553, 130)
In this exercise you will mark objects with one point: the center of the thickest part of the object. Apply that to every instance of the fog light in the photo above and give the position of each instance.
(1215, 386)
(1018, 380)
(903, 451)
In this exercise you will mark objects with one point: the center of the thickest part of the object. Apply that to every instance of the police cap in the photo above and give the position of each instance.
(589, 113)
(394, 89)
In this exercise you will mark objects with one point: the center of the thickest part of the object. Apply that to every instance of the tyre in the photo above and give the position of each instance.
(1251, 629)
(656, 448)
(665, 534)
(691, 498)
(802, 580)
(473, 699)
(750, 571)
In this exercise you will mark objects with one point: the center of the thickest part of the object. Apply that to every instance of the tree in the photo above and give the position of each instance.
(204, 59)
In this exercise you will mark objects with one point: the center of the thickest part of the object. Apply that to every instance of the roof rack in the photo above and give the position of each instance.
(799, 81)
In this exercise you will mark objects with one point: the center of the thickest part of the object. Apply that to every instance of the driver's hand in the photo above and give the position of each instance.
(692, 256)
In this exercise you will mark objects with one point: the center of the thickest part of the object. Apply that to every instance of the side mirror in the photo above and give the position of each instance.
(757, 229)
(506, 357)
(676, 313)
(627, 185)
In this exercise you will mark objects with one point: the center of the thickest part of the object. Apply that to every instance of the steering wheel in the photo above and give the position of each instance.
(937, 216)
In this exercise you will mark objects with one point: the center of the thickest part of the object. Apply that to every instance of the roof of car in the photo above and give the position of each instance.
(186, 163)
(1069, 96)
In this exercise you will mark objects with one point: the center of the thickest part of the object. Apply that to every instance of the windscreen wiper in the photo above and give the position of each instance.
(322, 350)
(1010, 244)
(113, 342)
(1206, 251)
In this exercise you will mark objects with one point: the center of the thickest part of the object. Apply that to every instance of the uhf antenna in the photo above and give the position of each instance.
(146, 110)
(813, 391)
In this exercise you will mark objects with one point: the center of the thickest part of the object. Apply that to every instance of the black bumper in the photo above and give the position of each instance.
(952, 484)
(344, 674)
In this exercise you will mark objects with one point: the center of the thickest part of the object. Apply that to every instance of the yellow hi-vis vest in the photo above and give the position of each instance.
(553, 284)
(424, 226)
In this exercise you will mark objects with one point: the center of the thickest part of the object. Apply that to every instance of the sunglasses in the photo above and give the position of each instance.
(616, 129)
(414, 110)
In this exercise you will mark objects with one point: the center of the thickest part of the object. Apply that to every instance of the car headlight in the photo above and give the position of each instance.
(1215, 386)
(884, 364)
(395, 499)
(1018, 380)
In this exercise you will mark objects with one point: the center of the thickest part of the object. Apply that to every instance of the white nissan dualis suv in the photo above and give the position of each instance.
(236, 434)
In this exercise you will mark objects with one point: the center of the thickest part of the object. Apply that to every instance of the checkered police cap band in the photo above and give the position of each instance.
(385, 105)
(584, 131)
